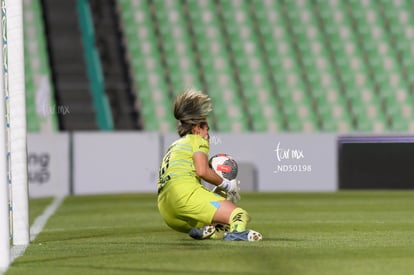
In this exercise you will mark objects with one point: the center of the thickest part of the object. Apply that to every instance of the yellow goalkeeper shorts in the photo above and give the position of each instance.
(184, 203)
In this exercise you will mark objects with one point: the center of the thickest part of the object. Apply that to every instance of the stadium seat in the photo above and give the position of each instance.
(215, 64)
(178, 53)
(250, 65)
(320, 72)
(276, 65)
(40, 106)
(377, 42)
(148, 71)
(401, 28)
(359, 90)
(285, 67)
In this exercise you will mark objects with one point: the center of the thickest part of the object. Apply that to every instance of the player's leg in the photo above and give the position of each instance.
(183, 208)
(185, 225)
(237, 218)
(217, 210)
(170, 201)
(200, 208)
(171, 219)
(231, 214)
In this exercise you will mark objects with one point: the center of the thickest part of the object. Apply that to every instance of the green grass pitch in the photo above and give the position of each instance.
(304, 233)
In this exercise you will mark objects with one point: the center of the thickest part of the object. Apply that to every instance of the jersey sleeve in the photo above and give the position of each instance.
(201, 145)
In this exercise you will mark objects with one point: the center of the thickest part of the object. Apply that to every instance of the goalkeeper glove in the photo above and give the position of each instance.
(234, 197)
(229, 185)
(232, 189)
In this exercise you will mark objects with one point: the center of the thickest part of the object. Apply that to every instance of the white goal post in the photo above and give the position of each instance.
(13, 133)
(18, 130)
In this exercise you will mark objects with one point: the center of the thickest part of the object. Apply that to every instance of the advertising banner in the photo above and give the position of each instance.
(115, 162)
(281, 161)
(48, 164)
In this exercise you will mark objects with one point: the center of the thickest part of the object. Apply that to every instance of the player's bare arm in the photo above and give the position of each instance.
(204, 171)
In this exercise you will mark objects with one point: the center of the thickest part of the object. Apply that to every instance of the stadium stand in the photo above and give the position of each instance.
(311, 51)
(152, 90)
(114, 65)
(368, 64)
(41, 112)
(400, 27)
(299, 35)
(215, 61)
(380, 58)
(178, 56)
(285, 65)
(250, 66)
(314, 56)
(358, 88)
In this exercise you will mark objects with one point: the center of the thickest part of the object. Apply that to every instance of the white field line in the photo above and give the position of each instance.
(37, 227)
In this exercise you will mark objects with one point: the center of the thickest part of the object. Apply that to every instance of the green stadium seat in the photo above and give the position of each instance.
(285, 67)
(177, 45)
(37, 71)
(250, 63)
(383, 58)
(333, 65)
(147, 66)
(215, 61)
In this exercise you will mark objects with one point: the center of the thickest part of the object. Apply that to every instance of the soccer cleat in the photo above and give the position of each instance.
(247, 235)
(202, 233)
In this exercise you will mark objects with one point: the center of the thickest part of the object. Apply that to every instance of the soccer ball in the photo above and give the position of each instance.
(224, 165)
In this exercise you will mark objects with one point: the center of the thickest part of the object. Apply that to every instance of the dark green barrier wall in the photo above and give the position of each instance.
(376, 163)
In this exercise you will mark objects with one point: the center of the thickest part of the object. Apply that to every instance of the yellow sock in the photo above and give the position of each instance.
(220, 230)
(238, 220)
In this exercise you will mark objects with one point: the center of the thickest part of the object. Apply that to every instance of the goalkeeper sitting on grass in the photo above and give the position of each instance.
(184, 203)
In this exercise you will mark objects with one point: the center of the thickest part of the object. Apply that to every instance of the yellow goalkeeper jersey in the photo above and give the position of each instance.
(178, 160)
